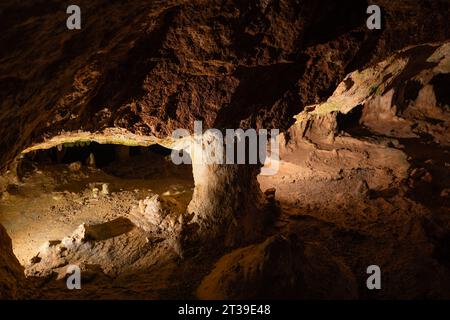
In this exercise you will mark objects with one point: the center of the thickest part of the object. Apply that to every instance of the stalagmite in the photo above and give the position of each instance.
(91, 160)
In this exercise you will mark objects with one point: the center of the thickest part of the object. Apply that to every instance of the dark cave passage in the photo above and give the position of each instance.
(103, 154)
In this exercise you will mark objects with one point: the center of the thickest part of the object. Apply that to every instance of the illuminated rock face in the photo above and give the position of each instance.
(152, 67)
(400, 97)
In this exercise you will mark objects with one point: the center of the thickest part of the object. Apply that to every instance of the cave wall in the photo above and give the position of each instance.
(12, 278)
(150, 67)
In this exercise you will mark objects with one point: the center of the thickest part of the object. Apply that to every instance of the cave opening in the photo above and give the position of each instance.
(93, 204)
(91, 153)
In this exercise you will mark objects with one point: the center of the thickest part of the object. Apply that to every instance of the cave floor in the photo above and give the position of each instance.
(52, 200)
(362, 213)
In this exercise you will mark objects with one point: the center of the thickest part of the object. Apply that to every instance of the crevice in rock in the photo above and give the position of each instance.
(440, 84)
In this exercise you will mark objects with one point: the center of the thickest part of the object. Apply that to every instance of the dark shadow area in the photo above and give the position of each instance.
(405, 94)
(350, 120)
(109, 229)
(441, 84)
(103, 154)
(333, 18)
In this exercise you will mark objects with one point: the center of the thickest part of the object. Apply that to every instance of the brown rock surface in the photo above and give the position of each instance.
(11, 272)
(280, 267)
(152, 67)
(363, 172)
(362, 167)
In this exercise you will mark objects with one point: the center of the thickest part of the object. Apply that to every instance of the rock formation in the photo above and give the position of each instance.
(279, 268)
(138, 70)
(12, 279)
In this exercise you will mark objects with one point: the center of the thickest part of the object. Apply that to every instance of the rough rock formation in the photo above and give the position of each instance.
(402, 97)
(369, 167)
(110, 246)
(156, 67)
(160, 66)
(139, 69)
(279, 268)
(12, 279)
(149, 68)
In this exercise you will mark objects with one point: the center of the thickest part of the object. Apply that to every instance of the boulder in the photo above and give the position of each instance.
(280, 267)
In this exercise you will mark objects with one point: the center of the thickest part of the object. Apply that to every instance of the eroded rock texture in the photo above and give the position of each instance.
(227, 203)
(280, 267)
(11, 272)
(369, 167)
(152, 67)
(141, 68)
